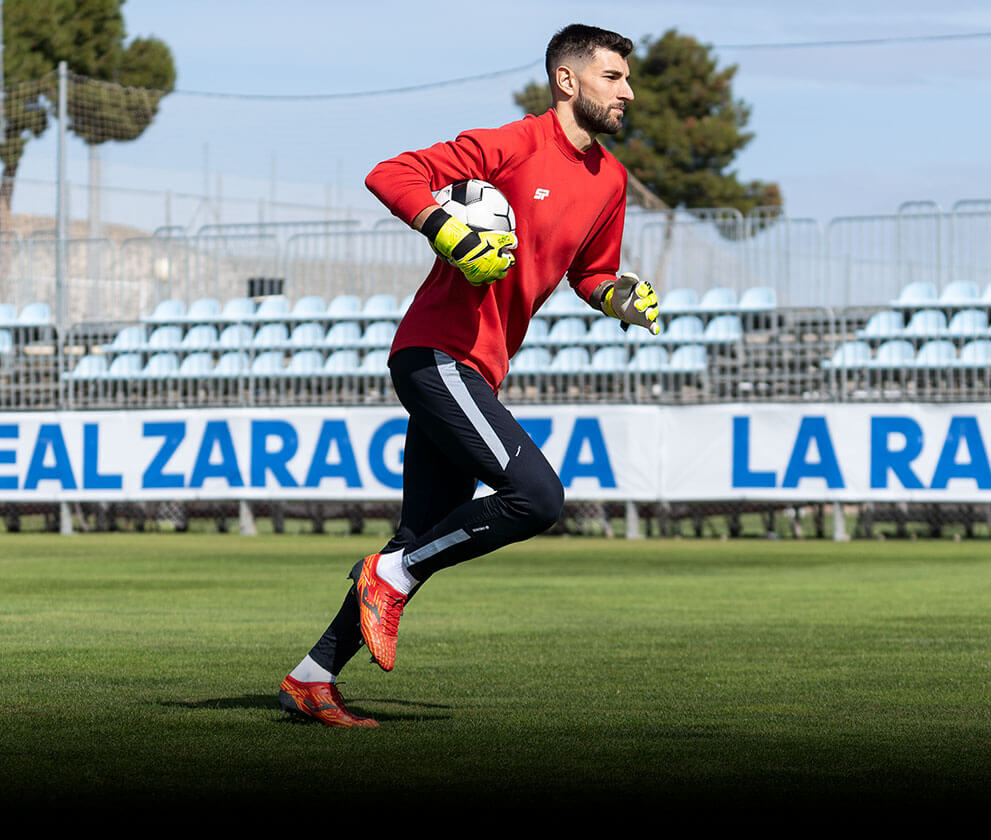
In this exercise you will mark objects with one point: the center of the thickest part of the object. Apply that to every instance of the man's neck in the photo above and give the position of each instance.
(580, 138)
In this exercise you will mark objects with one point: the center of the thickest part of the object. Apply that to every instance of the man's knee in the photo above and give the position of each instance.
(544, 502)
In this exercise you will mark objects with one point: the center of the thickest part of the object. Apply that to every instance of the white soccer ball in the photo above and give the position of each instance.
(478, 204)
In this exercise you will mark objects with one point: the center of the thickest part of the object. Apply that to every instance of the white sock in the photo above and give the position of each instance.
(309, 671)
(393, 572)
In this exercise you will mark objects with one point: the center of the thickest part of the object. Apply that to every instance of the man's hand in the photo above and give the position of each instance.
(633, 301)
(483, 256)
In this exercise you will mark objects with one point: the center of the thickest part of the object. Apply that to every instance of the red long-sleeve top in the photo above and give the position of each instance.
(570, 208)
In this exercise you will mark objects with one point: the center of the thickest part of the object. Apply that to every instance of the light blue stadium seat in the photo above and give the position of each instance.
(975, 354)
(167, 312)
(719, 299)
(304, 363)
(272, 334)
(888, 323)
(196, 365)
(531, 360)
(687, 359)
(380, 306)
(649, 359)
(609, 360)
(684, 329)
(960, 293)
(37, 314)
(378, 334)
(199, 337)
(344, 306)
(896, 353)
(166, 337)
(125, 366)
(567, 331)
(203, 310)
(128, 338)
(232, 363)
(91, 366)
(986, 296)
(375, 363)
(268, 363)
(925, 324)
(938, 353)
(564, 302)
(6, 342)
(161, 365)
(607, 330)
(309, 307)
(236, 336)
(306, 335)
(723, 329)
(238, 309)
(758, 299)
(8, 314)
(344, 334)
(274, 308)
(405, 303)
(537, 332)
(917, 295)
(570, 360)
(850, 355)
(968, 323)
(679, 302)
(342, 361)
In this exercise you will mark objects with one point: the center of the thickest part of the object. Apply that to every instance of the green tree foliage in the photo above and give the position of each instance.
(115, 86)
(683, 130)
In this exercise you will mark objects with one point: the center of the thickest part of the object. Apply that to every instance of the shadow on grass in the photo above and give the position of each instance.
(417, 710)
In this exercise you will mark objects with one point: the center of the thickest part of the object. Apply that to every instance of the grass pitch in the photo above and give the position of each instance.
(143, 669)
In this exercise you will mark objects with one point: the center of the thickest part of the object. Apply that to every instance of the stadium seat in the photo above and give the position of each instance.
(679, 302)
(936, 354)
(304, 363)
(564, 302)
(344, 334)
(649, 359)
(129, 338)
(378, 334)
(968, 323)
(536, 332)
(850, 355)
(196, 365)
(687, 359)
(8, 314)
(717, 300)
(405, 303)
(723, 329)
(344, 306)
(375, 363)
(271, 335)
(203, 310)
(918, 295)
(758, 299)
(925, 324)
(609, 360)
(309, 334)
(161, 365)
(199, 337)
(91, 366)
(238, 309)
(6, 342)
(235, 336)
(606, 331)
(37, 314)
(684, 329)
(570, 360)
(975, 354)
(167, 312)
(309, 307)
(896, 353)
(125, 366)
(342, 361)
(567, 331)
(960, 293)
(269, 363)
(531, 360)
(380, 306)
(888, 323)
(232, 363)
(274, 308)
(165, 338)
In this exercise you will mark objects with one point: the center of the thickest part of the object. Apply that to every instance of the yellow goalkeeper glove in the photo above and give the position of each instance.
(633, 301)
(483, 256)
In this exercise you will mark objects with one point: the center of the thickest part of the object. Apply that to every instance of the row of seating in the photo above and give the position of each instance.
(209, 310)
(34, 314)
(923, 294)
(926, 324)
(687, 359)
(716, 301)
(684, 329)
(903, 354)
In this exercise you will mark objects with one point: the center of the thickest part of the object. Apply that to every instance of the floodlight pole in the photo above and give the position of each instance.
(61, 210)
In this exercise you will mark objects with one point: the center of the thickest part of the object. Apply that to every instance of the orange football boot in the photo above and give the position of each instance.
(381, 607)
(320, 701)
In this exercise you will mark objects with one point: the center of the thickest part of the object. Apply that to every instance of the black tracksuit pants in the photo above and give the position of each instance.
(458, 433)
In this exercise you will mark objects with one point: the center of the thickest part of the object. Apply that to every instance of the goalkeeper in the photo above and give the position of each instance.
(452, 349)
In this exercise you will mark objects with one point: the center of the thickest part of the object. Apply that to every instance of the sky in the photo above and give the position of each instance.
(845, 130)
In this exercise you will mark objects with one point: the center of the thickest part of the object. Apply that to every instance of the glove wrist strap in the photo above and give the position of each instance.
(607, 304)
(434, 222)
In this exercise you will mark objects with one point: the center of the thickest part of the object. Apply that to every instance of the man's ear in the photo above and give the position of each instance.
(567, 80)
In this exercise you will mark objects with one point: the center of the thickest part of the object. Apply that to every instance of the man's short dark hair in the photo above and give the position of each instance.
(580, 42)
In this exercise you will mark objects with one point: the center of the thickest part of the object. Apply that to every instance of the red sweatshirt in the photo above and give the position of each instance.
(570, 207)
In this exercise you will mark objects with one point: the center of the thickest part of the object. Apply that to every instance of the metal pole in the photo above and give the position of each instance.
(60, 201)
(3, 103)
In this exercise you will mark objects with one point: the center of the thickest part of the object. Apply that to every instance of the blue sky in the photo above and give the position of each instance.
(850, 130)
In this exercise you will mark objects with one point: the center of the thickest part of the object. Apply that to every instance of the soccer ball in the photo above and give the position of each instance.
(478, 204)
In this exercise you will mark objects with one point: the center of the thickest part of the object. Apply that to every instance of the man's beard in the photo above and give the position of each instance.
(594, 118)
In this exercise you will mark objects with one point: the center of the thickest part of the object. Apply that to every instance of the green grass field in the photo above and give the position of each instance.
(144, 669)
